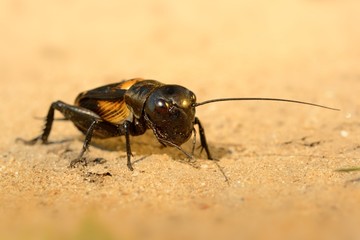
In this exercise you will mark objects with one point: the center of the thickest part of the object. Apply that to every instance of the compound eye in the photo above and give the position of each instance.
(161, 106)
(192, 101)
(193, 98)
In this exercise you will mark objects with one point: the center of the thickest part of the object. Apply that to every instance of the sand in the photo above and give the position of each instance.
(279, 159)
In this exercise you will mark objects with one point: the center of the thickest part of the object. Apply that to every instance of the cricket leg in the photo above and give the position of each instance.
(47, 127)
(194, 142)
(84, 119)
(203, 141)
(128, 147)
(88, 136)
(80, 116)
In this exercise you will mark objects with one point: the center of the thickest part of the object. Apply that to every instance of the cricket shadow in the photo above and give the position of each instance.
(147, 144)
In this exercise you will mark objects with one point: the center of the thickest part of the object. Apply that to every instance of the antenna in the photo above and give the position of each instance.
(263, 99)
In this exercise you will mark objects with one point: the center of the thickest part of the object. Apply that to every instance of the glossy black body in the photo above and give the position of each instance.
(129, 108)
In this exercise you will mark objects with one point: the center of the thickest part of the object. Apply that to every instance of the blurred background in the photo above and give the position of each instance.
(177, 41)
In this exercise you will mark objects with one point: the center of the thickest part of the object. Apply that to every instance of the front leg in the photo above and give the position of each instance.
(128, 147)
(203, 141)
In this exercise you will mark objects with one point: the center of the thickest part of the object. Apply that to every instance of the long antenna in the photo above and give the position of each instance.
(263, 99)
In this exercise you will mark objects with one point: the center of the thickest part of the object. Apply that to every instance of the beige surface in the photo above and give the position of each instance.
(279, 158)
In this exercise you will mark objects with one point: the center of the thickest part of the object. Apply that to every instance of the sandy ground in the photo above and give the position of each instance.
(280, 159)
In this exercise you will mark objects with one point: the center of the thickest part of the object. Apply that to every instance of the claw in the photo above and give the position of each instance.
(129, 165)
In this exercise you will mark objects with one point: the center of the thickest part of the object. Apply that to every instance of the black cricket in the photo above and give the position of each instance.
(131, 107)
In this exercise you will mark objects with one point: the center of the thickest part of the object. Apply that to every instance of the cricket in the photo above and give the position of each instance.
(130, 107)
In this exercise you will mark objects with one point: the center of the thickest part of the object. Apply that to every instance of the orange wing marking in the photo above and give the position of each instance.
(128, 83)
(114, 112)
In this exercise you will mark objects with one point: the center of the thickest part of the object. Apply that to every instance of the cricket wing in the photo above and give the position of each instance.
(108, 101)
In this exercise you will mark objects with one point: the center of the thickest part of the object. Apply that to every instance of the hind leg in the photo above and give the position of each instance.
(43, 137)
(90, 124)
(73, 113)
(84, 119)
